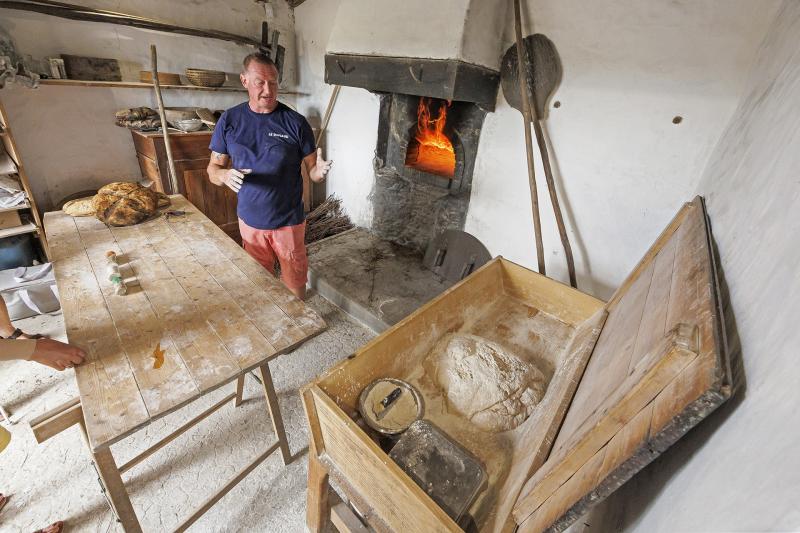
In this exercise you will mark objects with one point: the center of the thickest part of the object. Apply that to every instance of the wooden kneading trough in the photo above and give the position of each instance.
(624, 380)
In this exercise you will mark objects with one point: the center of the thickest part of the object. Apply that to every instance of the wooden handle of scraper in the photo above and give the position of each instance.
(526, 115)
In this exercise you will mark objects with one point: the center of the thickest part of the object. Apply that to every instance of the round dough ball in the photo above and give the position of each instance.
(124, 204)
(82, 207)
(484, 382)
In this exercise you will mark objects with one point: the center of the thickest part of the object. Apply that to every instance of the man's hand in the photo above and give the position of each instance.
(57, 354)
(233, 178)
(321, 167)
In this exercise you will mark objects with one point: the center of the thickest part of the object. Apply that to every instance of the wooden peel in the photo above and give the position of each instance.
(173, 177)
(535, 80)
(526, 113)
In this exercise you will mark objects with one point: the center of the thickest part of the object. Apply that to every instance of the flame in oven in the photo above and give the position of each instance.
(430, 150)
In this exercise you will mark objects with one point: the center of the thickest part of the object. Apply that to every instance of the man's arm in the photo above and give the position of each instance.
(317, 167)
(220, 174)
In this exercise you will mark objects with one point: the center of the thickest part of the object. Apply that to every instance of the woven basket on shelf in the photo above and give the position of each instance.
(205, 78)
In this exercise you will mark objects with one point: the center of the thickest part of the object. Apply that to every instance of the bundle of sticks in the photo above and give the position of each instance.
(328, 219)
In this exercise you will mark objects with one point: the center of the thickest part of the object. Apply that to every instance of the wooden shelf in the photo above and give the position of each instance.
(141, 85)
(30, 227)
(19, 207)
(135, 85)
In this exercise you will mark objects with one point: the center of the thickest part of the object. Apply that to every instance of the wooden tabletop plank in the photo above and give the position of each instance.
(139, 327)
(112, 403)
(242, 338)
(304, 317)
(271, 320)
(201, 349)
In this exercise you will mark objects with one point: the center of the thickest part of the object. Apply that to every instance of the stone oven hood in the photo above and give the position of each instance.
(448, 49)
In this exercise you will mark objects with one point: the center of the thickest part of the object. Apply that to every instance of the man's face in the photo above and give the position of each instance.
(261, 82)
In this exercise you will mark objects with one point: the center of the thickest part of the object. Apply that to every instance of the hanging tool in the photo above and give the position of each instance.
(536, 79)
(546, 75)
(526, 113)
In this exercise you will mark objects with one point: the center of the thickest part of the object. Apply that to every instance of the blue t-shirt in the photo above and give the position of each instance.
(273, 146)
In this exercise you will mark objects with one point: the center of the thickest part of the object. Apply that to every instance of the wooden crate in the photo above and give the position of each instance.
(626, 379)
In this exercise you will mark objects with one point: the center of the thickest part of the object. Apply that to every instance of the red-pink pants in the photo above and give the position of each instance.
(286, 244)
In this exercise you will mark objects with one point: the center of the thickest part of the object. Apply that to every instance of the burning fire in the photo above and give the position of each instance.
(430, 150)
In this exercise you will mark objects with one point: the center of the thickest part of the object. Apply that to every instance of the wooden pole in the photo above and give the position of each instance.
(526, 114)
(83, 13)
(173, 177)
(551, 187)
(328, 112)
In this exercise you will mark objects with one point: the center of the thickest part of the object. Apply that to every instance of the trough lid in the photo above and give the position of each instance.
(659, 366)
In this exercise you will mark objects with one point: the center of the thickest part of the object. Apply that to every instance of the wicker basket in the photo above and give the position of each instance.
(205, 78)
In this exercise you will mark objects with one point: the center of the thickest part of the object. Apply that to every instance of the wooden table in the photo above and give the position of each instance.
(214, 310)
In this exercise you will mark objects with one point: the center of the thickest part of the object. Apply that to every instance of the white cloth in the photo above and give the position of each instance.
(29, 291)
(11, 193)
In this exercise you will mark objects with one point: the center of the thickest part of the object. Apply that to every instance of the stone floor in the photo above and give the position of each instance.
(56, 480)
(374, 280)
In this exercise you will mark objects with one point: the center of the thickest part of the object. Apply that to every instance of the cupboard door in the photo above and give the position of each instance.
(217, 203)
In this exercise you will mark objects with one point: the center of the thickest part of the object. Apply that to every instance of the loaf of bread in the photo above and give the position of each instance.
(124, 204)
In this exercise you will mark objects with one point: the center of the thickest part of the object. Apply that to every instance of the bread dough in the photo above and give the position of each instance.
(124, 204)
(484, 382)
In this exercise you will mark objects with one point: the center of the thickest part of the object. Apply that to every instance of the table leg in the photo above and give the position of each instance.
(115, 488)
(317, 505)
(275, 412)
(239, 391)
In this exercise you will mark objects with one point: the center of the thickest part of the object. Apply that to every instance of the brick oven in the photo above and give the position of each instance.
(433, 102)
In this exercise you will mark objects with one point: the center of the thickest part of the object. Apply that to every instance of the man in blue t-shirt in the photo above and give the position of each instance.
(267, 142)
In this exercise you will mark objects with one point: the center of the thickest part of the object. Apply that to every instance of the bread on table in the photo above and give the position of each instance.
(124, 204)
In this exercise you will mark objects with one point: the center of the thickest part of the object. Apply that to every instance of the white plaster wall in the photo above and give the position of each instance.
(353, 128)
(623, 168)
(740, 469)
(444, 29)
(67, 137)
(484, 24)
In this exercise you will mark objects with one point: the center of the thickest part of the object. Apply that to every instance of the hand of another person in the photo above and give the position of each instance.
(321, 168)
(57, 354)
(233, 178)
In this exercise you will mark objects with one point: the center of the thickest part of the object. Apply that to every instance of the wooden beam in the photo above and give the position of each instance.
(57, 420)
(345, 520)
(275, 412)
(75, 12)
(115, 488)
(449, 79)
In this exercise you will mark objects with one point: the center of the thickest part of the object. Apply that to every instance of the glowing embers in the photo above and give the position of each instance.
(430, 150)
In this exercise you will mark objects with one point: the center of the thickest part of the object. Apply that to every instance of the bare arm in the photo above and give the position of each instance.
(220, 174)
(317, 167)
(45, 351)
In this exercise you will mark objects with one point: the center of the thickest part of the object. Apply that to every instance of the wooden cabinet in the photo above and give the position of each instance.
(191, 154)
